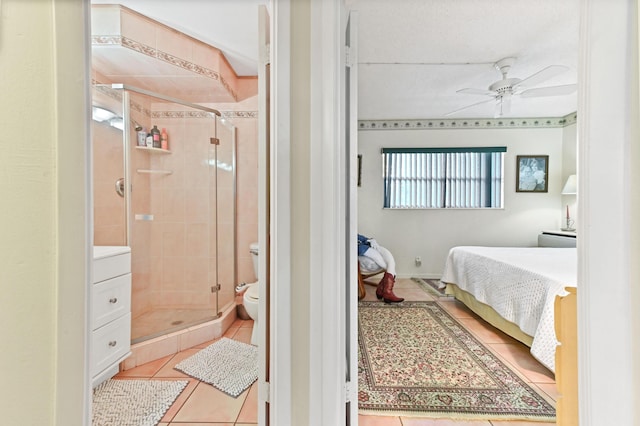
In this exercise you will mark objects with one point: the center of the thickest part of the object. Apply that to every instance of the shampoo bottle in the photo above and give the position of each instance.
(142, 137)
(155, 133)
(164, 139)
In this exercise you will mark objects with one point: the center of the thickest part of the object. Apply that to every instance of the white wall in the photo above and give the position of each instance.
(43, 223)
(430, 233)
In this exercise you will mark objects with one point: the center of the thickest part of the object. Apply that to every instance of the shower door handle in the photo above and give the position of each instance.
(120, 187)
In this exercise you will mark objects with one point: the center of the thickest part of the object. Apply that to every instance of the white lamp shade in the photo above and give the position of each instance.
(571, 186)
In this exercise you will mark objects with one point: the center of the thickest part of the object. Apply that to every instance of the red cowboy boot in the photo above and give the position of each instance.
(387, 292)
(380, 288)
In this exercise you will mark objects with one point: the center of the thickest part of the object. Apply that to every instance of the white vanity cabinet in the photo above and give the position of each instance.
(110, 311)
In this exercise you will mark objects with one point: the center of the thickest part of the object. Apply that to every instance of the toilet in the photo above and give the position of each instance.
(250, 297)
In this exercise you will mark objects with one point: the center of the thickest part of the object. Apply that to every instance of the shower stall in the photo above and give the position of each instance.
(173, 204)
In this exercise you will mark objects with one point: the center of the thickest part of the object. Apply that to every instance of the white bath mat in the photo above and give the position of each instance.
(228, 365)
(134, 402)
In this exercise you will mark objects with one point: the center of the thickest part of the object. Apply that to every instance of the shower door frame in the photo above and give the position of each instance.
(127, 147)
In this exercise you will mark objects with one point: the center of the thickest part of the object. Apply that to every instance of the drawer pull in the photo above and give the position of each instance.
(113, 343)
(113, 300)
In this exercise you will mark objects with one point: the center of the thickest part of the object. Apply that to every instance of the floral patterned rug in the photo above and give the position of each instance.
(416, 360)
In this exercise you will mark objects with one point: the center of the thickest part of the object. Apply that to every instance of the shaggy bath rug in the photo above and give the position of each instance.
(227, 365)
(414, 359)
(134, 402)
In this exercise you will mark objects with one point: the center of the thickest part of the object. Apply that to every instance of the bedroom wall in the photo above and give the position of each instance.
(430, 233)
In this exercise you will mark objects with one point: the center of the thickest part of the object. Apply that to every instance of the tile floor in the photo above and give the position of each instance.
(200, 404)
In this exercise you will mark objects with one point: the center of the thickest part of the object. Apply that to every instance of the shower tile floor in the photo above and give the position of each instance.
(202, 405)
(164, 321)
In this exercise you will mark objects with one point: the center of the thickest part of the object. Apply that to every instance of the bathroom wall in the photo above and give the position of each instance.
(172, 264)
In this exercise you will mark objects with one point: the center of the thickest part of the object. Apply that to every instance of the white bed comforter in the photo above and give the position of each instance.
(520, 283)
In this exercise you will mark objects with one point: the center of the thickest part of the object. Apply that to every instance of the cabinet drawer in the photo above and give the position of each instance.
(110, 343)
(110, 300)
(111, 266)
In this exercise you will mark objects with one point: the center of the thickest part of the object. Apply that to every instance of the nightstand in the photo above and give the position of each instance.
(557, 239)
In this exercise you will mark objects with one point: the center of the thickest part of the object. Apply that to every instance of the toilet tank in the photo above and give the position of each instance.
(253, 249)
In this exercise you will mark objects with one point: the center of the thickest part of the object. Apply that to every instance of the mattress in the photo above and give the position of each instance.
(520, 284)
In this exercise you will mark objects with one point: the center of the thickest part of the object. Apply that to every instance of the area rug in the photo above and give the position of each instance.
(134, 402)
(227, 365)
(414, 359)
(430, 286)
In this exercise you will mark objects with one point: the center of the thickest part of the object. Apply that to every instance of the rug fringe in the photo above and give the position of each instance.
(455, 416)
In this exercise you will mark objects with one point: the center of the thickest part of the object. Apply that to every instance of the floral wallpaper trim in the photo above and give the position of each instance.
(163, 56)
(468, 123)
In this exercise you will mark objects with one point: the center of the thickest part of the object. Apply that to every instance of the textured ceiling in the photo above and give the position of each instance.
(414, 54)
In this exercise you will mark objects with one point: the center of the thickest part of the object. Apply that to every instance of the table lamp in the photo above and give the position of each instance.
(570, 188)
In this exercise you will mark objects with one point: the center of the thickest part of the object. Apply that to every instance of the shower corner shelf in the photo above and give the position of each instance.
(153, 150)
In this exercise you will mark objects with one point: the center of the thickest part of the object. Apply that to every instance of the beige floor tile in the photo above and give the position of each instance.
(378, 421)
(410, 421)
(205, 344)
(145, 370)
(167, 370)
(207, 404)
(413, 294)
(180, 400)
(519, 357)
(203, 424)
(550, 389)
(246, 323)
(243, 335)
(249, 411)
(231, 331)
(455, 308)
(485, 332)
(403, 283)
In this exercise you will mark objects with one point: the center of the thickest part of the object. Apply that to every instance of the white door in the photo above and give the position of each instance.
(351, 203)
(263, 214)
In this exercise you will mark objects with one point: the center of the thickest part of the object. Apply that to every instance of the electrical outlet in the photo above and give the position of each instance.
(418, 261)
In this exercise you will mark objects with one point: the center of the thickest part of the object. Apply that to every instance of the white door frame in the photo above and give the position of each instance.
(279, 390)
(607, 129)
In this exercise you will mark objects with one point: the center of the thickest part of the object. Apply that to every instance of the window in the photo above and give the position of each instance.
(419, 178)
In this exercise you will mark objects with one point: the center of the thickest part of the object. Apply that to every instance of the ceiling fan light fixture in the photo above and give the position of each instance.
(503, 105)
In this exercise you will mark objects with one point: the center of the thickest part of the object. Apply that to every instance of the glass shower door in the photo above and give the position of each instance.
(109, 213)
(223, 207)
(178, 209)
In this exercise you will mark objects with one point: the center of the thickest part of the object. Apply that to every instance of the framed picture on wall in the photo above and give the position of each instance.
(532, 172)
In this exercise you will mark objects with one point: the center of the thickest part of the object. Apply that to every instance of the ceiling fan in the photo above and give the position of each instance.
(504, 89)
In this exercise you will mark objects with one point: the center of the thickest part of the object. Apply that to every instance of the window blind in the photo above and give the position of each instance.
(443, 177)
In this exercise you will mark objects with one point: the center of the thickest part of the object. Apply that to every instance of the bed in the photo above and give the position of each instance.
(514, 289)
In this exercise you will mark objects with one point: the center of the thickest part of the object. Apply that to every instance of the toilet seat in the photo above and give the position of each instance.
(252, 292)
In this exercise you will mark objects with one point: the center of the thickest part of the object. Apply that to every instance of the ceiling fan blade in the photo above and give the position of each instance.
(472, 91)
(469, 106)
(565, 89)
(543, 75)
